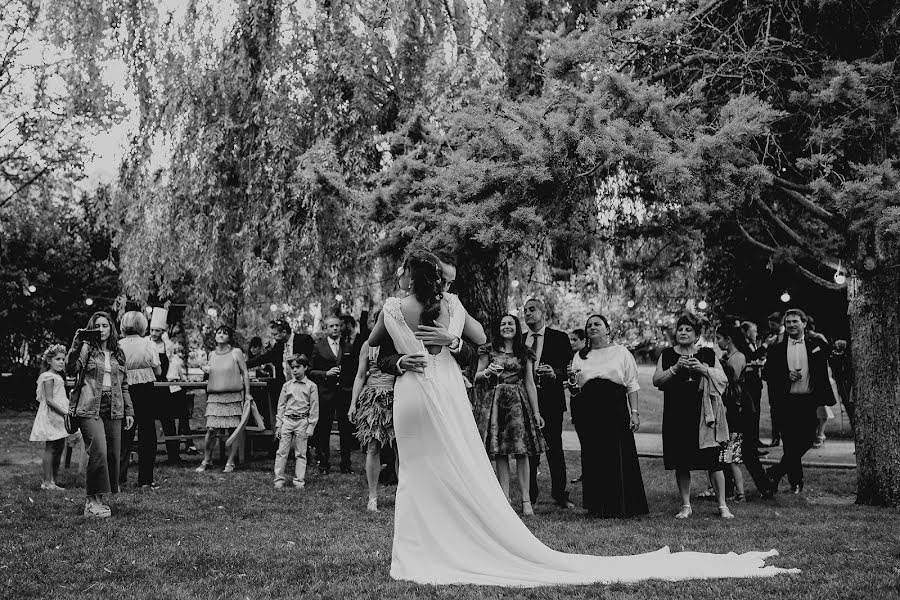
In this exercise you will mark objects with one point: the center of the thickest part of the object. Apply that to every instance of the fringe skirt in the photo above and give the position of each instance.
(375, 416)
(224, 410)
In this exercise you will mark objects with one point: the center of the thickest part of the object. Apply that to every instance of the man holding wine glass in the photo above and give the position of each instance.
(552, 356)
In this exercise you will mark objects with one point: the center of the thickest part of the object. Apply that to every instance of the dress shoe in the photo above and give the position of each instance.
(576, 480)
(767, 494)
(564, 504)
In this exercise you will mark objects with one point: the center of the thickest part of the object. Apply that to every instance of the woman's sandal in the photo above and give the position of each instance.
(527, 510)
(725, 513)
(685, 512)
(203, 466)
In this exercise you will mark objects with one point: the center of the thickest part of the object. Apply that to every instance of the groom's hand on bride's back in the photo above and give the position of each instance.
(413, 362)
(437, 335)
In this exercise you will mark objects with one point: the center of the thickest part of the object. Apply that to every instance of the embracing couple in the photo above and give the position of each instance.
(452, 522)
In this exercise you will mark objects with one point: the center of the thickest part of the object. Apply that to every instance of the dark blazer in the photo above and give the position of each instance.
(321, 361)
(777, 372)
(302, 344)
(388, 357)
(350, 359)
(557, 353)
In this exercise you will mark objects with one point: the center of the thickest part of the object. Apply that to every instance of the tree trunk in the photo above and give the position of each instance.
(874, 308)
(483, 287)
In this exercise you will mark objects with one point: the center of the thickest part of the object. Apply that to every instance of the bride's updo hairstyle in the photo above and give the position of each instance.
(427, 283)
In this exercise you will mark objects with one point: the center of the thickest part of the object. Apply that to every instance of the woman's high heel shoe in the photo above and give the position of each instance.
(527, 510)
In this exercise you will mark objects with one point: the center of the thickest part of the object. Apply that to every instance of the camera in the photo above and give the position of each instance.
(88, 335)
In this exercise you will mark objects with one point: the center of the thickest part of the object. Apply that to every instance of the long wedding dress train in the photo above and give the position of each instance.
(452, 523)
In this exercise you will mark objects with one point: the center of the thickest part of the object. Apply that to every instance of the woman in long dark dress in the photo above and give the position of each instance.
(678, 373)
(608, 412)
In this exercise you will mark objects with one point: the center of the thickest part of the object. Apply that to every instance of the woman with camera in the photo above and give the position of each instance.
(100, 402)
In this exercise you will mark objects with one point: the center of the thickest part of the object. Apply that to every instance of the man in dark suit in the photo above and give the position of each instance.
(797, 373)
(552, 356)
(325, 370)
(286, 344)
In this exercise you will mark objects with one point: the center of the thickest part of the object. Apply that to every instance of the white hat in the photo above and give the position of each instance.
(159, 318)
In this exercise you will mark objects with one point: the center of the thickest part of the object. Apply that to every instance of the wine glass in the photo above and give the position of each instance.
(690, 377)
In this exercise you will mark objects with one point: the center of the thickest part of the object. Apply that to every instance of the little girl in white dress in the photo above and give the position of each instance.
(49, 426)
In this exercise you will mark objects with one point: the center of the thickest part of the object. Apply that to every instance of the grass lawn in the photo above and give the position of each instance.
(216, 536)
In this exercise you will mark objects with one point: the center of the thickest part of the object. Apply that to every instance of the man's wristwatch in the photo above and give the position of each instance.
(455, 344)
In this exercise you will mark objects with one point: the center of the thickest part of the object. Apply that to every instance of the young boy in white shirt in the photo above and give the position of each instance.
(295, 421)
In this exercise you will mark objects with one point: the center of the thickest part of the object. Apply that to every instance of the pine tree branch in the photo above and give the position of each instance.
(810, 206)
(796, 237)
(797, 187)
(790, 261)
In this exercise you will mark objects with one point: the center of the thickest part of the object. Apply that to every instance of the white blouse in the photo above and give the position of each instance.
(614, 363)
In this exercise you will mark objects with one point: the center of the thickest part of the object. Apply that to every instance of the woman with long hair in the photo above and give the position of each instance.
(103, 402)
(606, 374)
(507, 397)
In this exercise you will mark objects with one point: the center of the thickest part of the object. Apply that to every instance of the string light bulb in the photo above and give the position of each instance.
(212, 312)
(514, 283)
(702, 305)
(839, 277)
(785, 297)
(89, 301)
(338, 297)
(32, 289)
(630, 304)
(273, 307)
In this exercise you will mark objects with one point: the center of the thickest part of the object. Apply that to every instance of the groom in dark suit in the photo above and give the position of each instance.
(797, 373)
(552, 356)
(326, 368)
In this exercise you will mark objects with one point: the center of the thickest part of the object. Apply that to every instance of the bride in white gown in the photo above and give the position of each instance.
(452, 523)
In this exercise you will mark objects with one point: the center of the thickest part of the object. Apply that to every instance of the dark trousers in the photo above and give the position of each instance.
(575, 411)
(556, 460)
(774, 415)
(334, 406)
(751, 430)
(797, 419)
(751, 461)
(102, 442)
(143, 397)
(174, 407)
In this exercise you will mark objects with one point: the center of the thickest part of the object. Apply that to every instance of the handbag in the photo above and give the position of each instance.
(69, 419)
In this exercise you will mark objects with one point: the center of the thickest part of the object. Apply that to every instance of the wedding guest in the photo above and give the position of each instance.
(227, 389)
(741, 414)
(823, 413)
(842, 371)
(286, 343)
(507, 401)
(679, 373)
(295, 421)
(577, 341)
(797, 374)
(753, 384)
(607, 377)
(100, 404)
(142, 368)
(49, 426)
(254, 350)
(371, 410)
(325, 371)
(552, 356)
(182, 404)
(774, 336)
(168, 405)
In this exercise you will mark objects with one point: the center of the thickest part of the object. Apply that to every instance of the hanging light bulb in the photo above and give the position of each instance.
(839, 277)
(514, 283)
(273, 307)
(32, 289)
(89, 301)
(785, 297)
(702, 305)
(630, 304)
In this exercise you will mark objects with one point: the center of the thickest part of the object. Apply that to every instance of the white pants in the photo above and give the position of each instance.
(293, 435)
